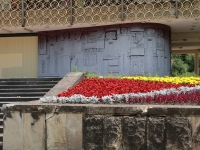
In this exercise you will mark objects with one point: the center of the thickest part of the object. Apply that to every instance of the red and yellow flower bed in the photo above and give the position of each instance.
(161, 90)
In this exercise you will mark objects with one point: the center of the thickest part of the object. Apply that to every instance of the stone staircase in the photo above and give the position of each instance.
(20, 90)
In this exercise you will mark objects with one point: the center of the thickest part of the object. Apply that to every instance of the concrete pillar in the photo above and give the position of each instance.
(196, 62)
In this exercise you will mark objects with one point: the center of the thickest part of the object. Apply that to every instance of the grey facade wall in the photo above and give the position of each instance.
(128, 49)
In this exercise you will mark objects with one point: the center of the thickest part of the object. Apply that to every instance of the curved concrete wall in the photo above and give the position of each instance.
(128, 49)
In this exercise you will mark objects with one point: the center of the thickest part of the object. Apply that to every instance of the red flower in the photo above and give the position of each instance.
(108, 86)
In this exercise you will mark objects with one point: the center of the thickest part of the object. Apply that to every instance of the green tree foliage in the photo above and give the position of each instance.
(178, 65)
(189, 60)
(183, 65)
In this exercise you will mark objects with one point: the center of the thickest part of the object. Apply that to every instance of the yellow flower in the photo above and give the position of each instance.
(166, 79)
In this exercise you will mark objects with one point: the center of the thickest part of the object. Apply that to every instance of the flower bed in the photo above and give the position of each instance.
(132, 90)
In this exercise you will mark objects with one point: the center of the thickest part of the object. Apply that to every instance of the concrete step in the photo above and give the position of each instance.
(11, 90)
(1, 113)
(1, 138)
(8, 100)
(1, 144)
(23, 94)
(26, 82)
(22, 90)
(30, 79)
(26, 86)
(1, 130)
(1, 122)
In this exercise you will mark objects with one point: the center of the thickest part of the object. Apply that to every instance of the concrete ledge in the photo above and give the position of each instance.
(118, 109)
(68, 81)
(105, 127)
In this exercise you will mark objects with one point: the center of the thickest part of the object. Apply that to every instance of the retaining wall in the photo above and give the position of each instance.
(33, 125)
(92, 127)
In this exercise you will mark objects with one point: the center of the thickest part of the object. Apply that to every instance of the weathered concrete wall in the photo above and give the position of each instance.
(126, 49)
(104, 127)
